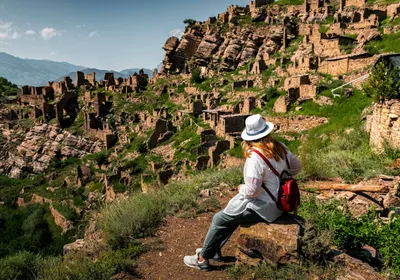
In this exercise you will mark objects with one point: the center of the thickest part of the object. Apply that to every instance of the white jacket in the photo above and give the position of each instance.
(252, 196)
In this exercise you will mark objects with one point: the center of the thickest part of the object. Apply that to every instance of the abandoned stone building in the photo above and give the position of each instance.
(341, 65)
(48, 103)
(136, 82)
(95, 111)
(259, 3)
(228, 124)
(91, 78)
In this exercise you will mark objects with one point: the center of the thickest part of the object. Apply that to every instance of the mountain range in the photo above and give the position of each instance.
(38, 72)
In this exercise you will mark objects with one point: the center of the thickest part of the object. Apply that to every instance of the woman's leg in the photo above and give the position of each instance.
(222, 227)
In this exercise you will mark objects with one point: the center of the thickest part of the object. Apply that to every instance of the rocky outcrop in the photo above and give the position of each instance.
(179, 52)
(207, 48)
(355, 269)
(275, 243)
(42, 145)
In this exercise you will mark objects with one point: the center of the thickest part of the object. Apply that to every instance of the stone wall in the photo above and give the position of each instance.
(308, 92)
(384, 125)
(393, 10)
(342, 65)
(231, 124)
(296, 81)
(91, 78)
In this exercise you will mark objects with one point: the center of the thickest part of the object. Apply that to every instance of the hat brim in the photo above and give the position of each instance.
(247, 137)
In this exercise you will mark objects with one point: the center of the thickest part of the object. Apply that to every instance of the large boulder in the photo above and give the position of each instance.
(171, 44)
(275, 243)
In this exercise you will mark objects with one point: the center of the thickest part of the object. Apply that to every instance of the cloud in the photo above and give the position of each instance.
(49, 32)
(81, 26)
(94, 34)
(30, 32)
(52, 53)
(176, 32)
(2, 43)
(8, 32)
(5, 25)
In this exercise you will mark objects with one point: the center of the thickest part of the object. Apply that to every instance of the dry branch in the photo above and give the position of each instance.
(350, 188)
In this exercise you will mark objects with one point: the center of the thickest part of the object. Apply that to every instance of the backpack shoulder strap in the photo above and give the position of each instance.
(264, 158)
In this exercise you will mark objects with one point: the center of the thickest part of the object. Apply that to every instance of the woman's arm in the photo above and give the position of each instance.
(253, 180)
(252, 188)
(295, 164)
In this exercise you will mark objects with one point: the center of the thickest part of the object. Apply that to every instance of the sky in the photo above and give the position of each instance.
(104, 34)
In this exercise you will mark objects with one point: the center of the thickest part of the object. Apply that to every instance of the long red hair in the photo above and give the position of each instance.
(270, 147)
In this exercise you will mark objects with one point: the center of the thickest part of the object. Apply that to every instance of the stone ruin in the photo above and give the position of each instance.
(383, 125)
(341, 65)
(96, 109)
(60, 100)
(49, 102)
(302, 84)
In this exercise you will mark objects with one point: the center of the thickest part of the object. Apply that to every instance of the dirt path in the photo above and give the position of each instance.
(176, 238)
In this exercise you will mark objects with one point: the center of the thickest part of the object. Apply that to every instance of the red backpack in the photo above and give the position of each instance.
(288, 199)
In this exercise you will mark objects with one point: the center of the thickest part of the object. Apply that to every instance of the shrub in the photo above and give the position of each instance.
(80, 267)
(22, 265)
(189, 21)
(7, 88)
(196, 76)
(302, 271)
(383, 82)
(140, 214)
(332, 219)
(347, 156)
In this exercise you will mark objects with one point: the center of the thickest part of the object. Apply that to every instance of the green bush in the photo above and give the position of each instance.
(333, 219)
(189, 22)
(25, 229)
(347, 156)
(25, 265)
(383, 82)
(7, 88)
(79, 267)
(196, 76)
(304, 271)
(22, 265)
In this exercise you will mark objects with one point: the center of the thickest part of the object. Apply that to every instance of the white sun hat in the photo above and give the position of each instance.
(256, 128)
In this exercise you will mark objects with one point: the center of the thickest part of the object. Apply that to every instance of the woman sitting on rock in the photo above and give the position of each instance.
(252, 204)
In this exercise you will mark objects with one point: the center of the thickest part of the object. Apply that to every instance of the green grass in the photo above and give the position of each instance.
(289, 2)
(340, 144)
(347, 156)
(333, 223)
(382, 1)
(304, 271)
(64, 210)
(140, 214)
(25, 265)
(237, 151)
(388, 43)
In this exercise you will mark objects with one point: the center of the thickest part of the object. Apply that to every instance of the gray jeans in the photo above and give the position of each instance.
(222, 227)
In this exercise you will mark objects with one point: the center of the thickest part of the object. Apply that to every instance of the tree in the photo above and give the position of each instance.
(189, 21)
(196, 76)
(383, 82)
(7, 88)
